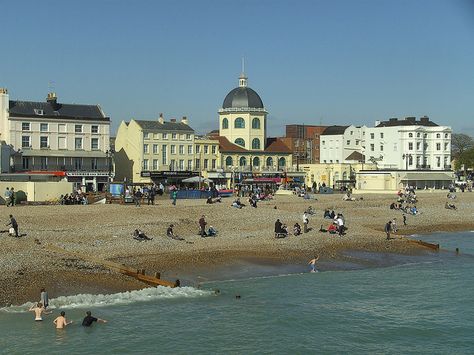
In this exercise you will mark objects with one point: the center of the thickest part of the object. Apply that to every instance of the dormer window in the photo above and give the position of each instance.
(39, 112)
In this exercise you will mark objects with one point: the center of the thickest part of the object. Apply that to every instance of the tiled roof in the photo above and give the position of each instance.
(227, 147)
(356, 156)
(165, 126)
(411, 121)
(334, 130)
(56, 110)
(276, 145)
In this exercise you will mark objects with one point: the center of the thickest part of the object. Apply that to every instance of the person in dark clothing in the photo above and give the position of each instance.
(404, 220)
(388, 229)
(151, 196)
(88, 320)
(14, 225)
(202, 226)
(278, 228)
(138, 197)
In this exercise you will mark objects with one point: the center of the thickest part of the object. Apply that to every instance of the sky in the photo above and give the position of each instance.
(312, 62)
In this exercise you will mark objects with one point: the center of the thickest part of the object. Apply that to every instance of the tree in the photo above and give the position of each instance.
(466, 158)
(460, 143)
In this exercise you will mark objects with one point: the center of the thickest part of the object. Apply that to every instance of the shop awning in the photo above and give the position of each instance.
(434, 176)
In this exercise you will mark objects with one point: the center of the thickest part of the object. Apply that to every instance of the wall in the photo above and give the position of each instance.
(36, 191)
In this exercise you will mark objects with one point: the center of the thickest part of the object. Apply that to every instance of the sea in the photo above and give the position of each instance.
(378, 304)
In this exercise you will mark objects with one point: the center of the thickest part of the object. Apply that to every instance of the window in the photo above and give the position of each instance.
(438, 146)
(197, 165)
(26, 163)
(155, 164)
(172, 164)
(418, 135)
(78, 143)
(352, 132)
(372, 147)
(228, 161)
(348, 142)
(93, 163)
(198, 149)
(43, 127)
(146, 135)
(213, 164)
(188, 137)
(225, 123)
(43, 142)
(78, 128)
(206, 149)
(190, 149)
(206, 163)
(438, 135)
(256, 161)
(94, 143)
(446, 135)
(446, 146)
(155, 148)
(145, 148)
(214, 149)
(425, 135)
(256, 123)
(44, 163)
(173, 149)
(164, 159)
(269, 161)
(418, 145)
(357, 142)
(181, 164)
(372, 135)
(418, 160)
(240, 141)
(425, 146)
(242, 161)
(145, 164)
(174, 136)
(410, 146)
(381, 135)
(181, 149)
(39, 111)
(410, 160)
(438, 162)
(410, 135)
(165, 135)
(25, 142)
(446, 161)
(281, 162)
(190, 164)
(256, 143)
(25, 126)
(94, 129)
(239, 123)
(324, 142)
(381, 148)
(77, 163)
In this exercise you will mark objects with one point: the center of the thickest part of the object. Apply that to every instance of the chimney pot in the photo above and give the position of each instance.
(161, 119)
(173, 120)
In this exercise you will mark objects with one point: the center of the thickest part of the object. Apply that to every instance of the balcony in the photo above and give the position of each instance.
(423, 167)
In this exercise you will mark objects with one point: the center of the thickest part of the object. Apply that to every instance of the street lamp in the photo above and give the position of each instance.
(109, 154)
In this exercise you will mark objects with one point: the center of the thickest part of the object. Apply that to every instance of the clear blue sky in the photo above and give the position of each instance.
(319, 61)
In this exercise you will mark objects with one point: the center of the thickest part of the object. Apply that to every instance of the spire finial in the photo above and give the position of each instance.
(243, 77)
(243, 65)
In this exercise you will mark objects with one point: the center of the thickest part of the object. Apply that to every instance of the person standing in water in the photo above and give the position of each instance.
(61, 321)
(39, 311)
(312, 264)
(88, 320)
(44, 298)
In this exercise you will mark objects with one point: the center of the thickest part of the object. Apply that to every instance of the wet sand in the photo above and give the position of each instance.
(245, 238)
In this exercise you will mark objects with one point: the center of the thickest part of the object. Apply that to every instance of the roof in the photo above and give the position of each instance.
(242, 97)
(424, 175)
(356, 156)
(409, 121)
(56, 110)
(273, 145)
(334, 130)
(165, 126)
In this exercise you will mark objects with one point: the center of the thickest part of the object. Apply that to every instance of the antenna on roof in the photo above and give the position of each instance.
(243, 65)
(51, 86)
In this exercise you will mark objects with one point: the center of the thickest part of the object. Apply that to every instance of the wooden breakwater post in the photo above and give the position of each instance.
(425, 244)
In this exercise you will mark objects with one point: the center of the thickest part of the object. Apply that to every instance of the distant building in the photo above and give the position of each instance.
(56, 138)
(339, 143)
(304, 142)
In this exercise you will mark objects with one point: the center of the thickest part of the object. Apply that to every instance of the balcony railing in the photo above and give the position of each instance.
(423, 167)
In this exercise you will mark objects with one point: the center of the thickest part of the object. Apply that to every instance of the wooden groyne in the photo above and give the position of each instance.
(138, 274)
(425, 244)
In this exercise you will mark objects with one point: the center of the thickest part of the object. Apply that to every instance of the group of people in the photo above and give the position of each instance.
(74, 198)
(10, 197)
(281, 229)
(391, 226)
(338, 225)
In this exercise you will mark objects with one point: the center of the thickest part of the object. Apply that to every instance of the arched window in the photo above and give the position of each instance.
(255, 143)
(240, 142)
(228, 161)
(438, 135)
(269, 161)
(281, 162)
(344, 175)
(410, 135)
(336, 176)
(256, 161)
(225, 123)
(256, 123)
(239, 123)
(242, 161)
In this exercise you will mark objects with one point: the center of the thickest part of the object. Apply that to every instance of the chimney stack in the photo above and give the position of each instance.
(424, 119)
(161, 119)
(3, 91)
(184, 120)
(173, 120)
(52, 99)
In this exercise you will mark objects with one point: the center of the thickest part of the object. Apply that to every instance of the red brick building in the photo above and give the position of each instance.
(303, 140)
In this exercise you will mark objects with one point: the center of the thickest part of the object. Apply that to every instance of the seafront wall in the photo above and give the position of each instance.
(34, 191)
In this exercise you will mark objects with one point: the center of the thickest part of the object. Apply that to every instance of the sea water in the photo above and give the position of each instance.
(414, 304)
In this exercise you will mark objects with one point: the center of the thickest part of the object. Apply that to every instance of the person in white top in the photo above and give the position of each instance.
(305, 222)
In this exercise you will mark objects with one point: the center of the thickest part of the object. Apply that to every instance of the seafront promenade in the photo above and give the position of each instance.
(104, 232)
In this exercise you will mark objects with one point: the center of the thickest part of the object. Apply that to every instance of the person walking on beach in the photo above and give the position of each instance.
(312, 264)
(14, 225)
(305, 222)
(61, 321)
(202, 226)
(44, 298)
(138, 197)
(88, 320)
(388, 229)
(174, 195)
(39, 310)
(404, 219)
(12, 197)
(7, 196)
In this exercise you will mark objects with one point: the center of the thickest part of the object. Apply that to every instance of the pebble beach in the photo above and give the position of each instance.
(104, 232)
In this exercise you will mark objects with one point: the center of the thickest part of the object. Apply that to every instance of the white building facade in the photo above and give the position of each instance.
(409, 144)
(338, 143)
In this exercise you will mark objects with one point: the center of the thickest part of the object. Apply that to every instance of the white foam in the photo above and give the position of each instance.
(121, 298)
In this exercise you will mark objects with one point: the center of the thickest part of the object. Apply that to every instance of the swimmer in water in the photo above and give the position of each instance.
(61, 321)
(39, 311)
(312, 264)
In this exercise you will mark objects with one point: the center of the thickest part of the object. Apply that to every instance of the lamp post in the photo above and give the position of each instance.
(109, 154)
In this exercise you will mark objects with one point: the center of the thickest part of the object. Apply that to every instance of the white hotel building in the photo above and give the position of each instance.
(56, 139)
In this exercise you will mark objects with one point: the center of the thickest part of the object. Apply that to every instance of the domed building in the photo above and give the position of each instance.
(243, 141)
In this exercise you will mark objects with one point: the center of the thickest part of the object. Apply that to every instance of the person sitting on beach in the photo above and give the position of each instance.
(310, 210)
(332, 229)
(170, 233)
(279, 231)
(39, 310)
(284, 230)
(332, 214)
(394, 225)
(61, 321)
(209, 200)
(450, 206)
(211, 231)
(393, 206)
(140, 235)
(347, 197)
(296, 229)
(414, 210)
(218, 199)
(327, 214)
